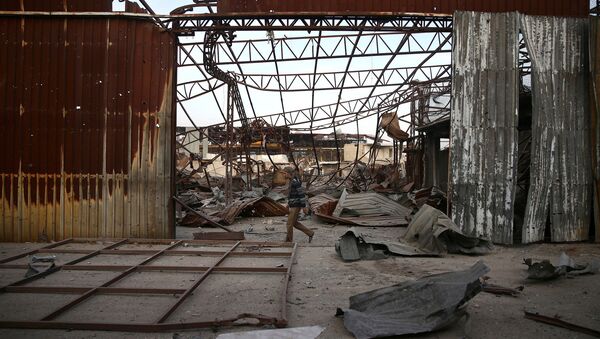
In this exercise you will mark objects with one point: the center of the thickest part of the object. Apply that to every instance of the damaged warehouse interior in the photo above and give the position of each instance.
(299, 169)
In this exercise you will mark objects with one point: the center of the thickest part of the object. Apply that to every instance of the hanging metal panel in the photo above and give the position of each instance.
(595, 116)
(560, 154)
(484, 124)
(86, 129)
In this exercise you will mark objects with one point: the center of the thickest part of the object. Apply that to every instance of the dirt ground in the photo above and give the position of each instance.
(321, 282)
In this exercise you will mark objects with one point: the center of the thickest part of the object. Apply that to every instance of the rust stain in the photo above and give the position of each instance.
(87, 140)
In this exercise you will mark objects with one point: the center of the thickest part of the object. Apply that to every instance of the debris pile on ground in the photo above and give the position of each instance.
(544, 270)
(427, 304)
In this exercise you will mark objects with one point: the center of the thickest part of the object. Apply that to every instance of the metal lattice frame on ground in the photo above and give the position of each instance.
(59, 297)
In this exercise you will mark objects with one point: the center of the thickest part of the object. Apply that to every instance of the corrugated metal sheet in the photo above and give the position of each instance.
(595, 122)
(484, 122)
(574, 8)
(560, 164)
(57, 5)
(87, 128)
(372, 209)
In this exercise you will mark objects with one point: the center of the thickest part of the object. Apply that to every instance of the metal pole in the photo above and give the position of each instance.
(228, 160)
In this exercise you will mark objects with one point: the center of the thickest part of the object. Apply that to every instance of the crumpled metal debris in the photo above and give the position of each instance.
(430, 233)
(39, 264)
(544, 270)
(427, 304)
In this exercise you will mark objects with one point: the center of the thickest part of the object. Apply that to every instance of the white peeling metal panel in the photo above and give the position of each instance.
(560, 157)
(484, 124)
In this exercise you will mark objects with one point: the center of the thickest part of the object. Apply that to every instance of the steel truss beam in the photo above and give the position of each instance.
(348, 110)
(307, 48)
(302, 82)
(188, 24)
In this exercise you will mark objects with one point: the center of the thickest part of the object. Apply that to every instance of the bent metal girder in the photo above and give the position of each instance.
(323, 81)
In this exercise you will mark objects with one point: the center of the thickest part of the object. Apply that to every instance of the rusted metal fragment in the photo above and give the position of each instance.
(390, 123)
(484, 121)
(560, 154)
(556, 321)
(253, 207)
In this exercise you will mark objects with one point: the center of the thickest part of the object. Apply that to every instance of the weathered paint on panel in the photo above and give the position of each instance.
(572, 8)
(484, 124)
(595, 115)
(560, 155)
(86, 129)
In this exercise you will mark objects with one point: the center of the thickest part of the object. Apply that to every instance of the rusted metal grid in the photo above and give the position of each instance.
(122, 251)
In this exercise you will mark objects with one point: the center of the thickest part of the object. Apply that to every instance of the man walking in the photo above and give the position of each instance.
(296, 201)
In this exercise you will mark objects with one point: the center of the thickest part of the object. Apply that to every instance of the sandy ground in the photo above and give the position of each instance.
(321, 282)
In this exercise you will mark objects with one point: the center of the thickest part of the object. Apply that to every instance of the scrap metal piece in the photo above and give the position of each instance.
(555, 321)
(390, 123)
(544, 270)
(427, 304)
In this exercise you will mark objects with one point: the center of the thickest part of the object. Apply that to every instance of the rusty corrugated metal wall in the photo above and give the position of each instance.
(484, 122)
(595, 116)
(560, 154)
(573, 8)
(87, 128)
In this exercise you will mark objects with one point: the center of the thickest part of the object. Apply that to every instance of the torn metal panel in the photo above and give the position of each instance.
(390, 123)
(484, 123)
(560, 153)
(87, 128)
(420, 306)
(430, 233)
(362, 209)
(595, 115)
